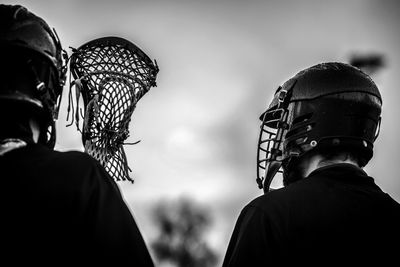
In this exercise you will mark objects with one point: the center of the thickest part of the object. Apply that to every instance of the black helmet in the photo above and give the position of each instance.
(324, 107)
(30, 50)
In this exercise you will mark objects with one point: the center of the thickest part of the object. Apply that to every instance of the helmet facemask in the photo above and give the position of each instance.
(270, 156)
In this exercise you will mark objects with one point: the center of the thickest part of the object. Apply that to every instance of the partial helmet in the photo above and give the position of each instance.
(33, 68)
(329, 106)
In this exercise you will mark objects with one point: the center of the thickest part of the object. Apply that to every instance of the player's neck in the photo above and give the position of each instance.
(317, 161)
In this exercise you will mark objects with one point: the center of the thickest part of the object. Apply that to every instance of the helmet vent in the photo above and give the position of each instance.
(302, 118)
(300, 126)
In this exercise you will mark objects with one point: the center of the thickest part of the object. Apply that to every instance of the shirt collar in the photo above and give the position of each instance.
(340, 167)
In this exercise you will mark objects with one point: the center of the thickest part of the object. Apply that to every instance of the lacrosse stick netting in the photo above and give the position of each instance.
(111, 74)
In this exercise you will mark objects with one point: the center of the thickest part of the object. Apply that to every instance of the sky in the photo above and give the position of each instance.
(220, 62)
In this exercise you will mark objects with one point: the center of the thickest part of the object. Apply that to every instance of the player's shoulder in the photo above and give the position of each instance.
(271, 207)
(73, 163)
(280, 199)
(73, 158)
(269, 199)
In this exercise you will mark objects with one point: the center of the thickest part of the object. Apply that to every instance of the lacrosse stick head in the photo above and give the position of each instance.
(111, 74)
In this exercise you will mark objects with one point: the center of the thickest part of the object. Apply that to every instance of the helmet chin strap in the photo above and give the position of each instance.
(272, 169)
(292, 172)
(35, 128)
(47, 135)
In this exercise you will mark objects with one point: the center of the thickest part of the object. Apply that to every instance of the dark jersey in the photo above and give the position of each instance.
(337, 215)
(63, 208)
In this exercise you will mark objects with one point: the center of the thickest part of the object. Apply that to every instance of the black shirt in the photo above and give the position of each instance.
(63, 208)
(337, 215)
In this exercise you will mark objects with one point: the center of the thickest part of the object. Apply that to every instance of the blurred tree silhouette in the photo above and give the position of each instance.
(370, 63)
(182, 224)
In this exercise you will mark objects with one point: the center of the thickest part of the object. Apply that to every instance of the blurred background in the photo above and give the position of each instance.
(220, 62)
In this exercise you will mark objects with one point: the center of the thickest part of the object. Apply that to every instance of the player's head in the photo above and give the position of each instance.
(32, 69)
(326, 109)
